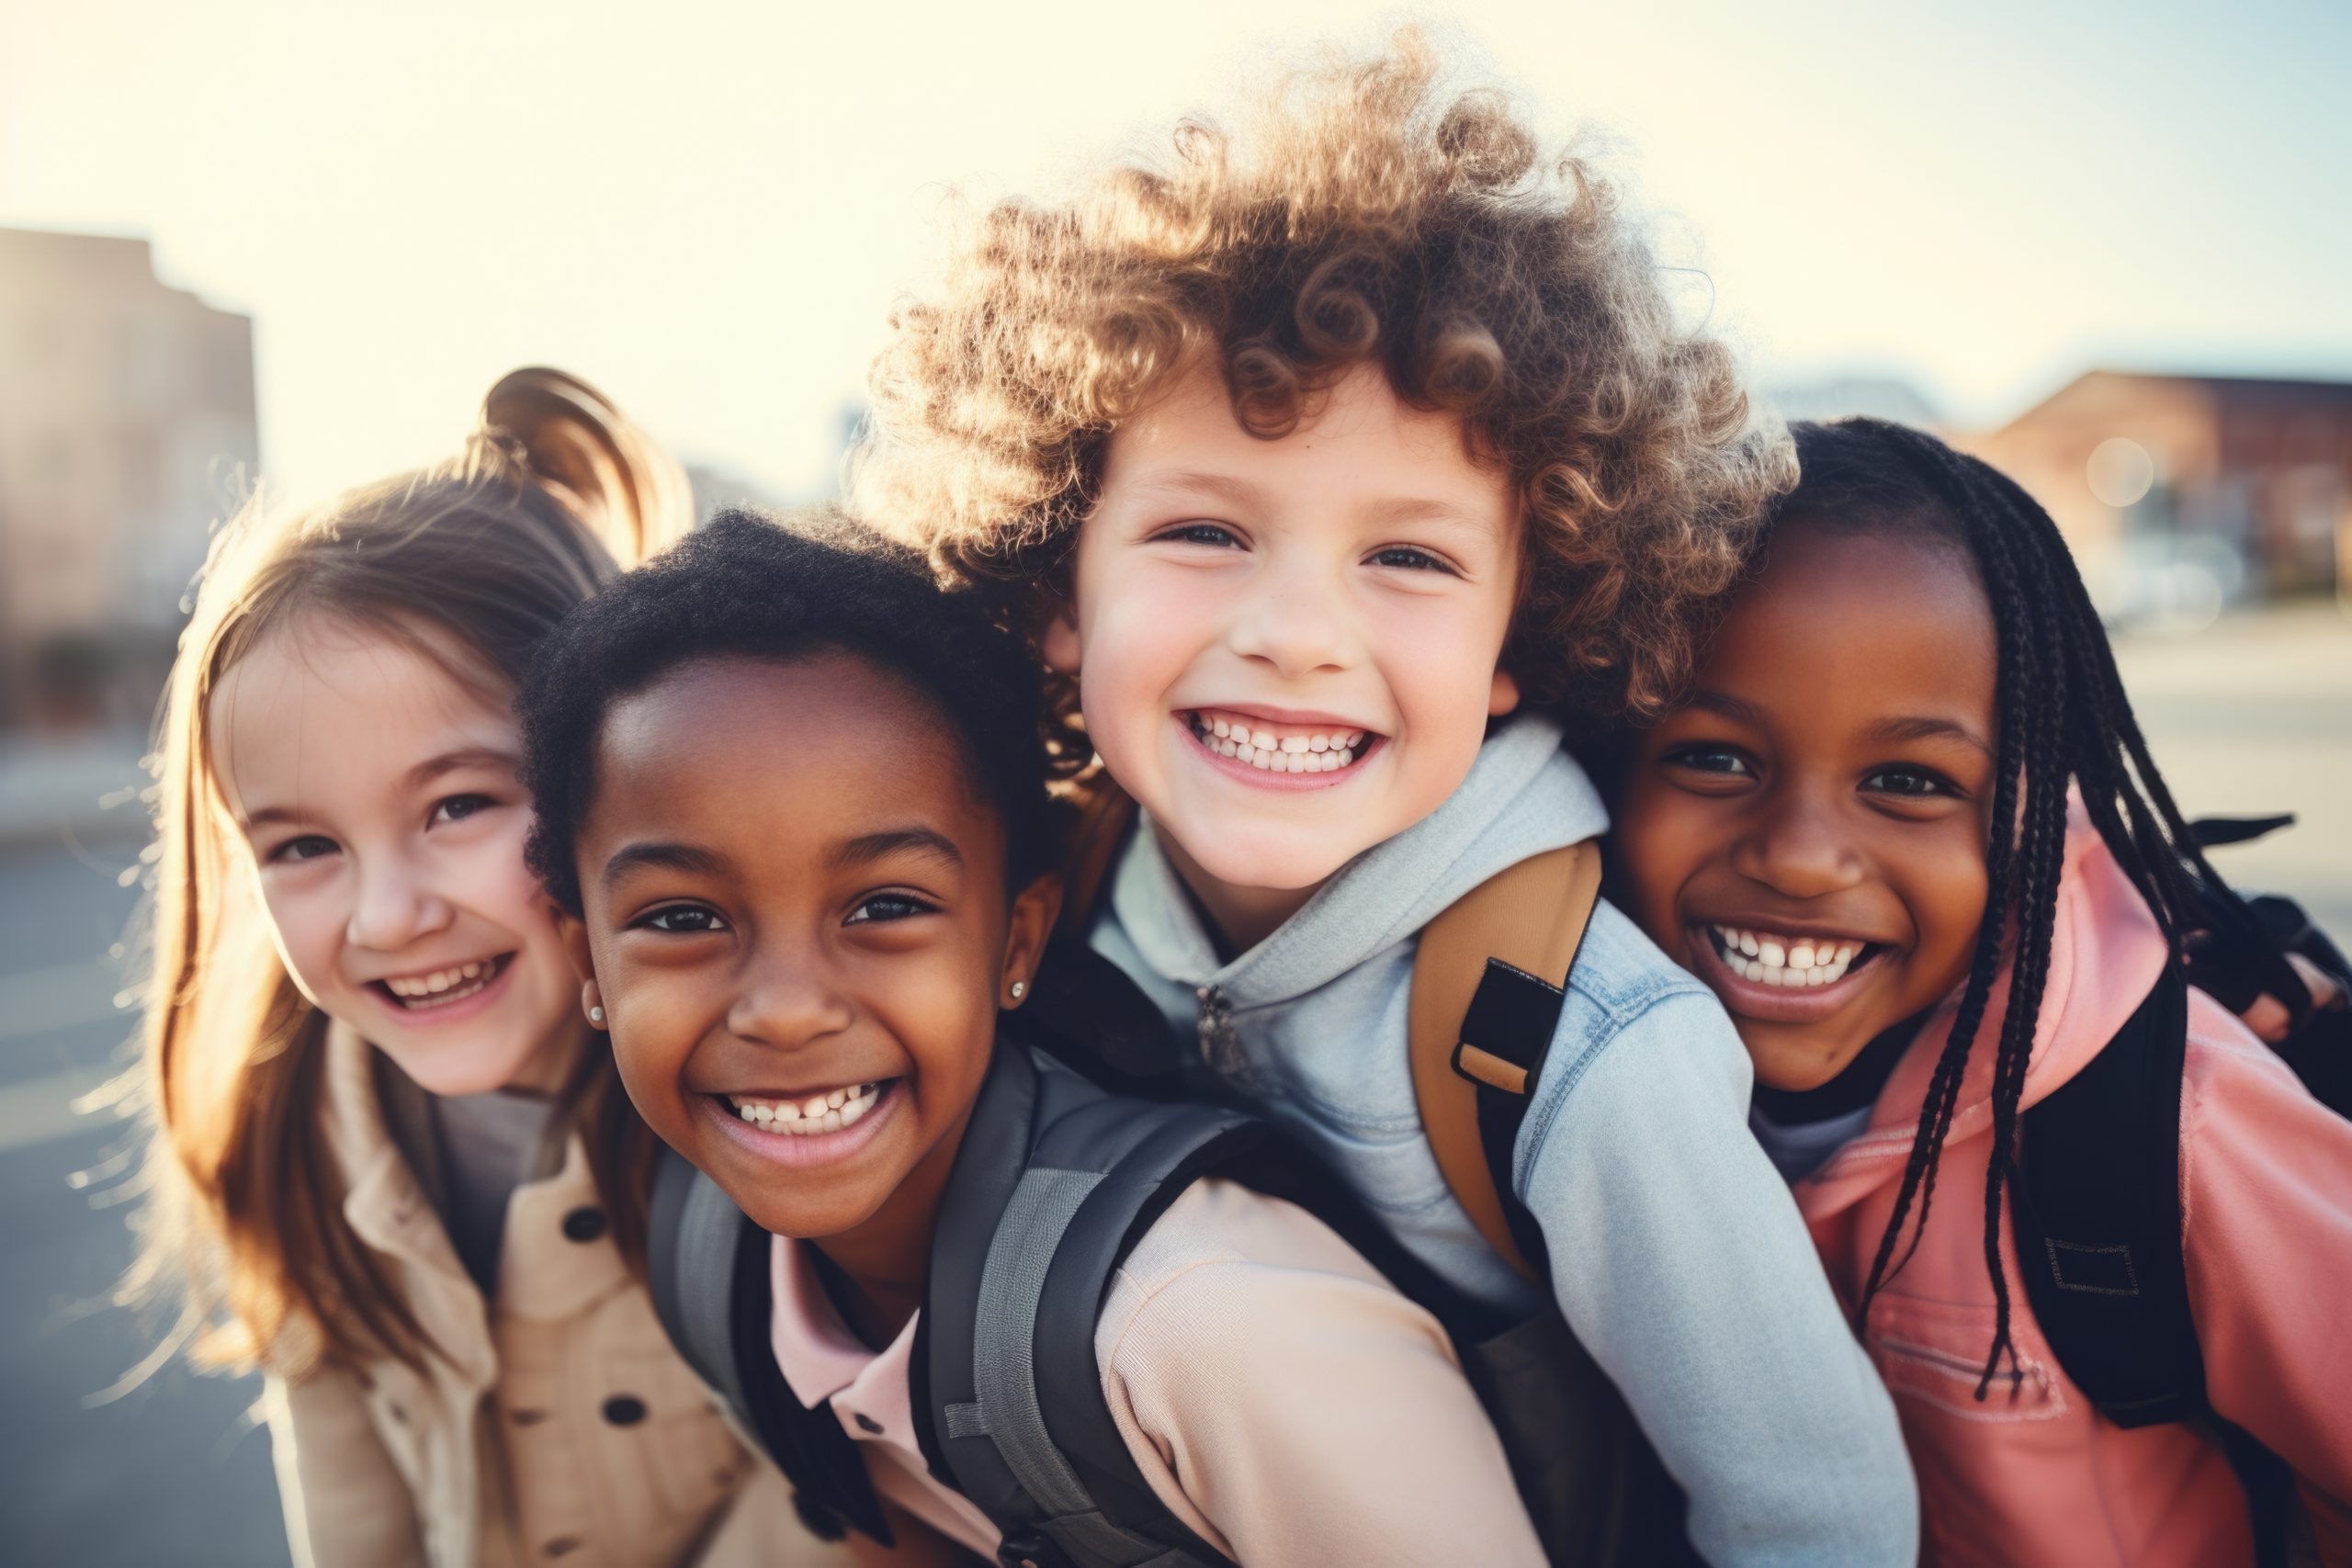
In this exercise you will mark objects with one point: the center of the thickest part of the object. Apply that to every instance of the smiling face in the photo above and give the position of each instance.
(378, 794)
(795, 911)
(1806, 834)
(1287, 649)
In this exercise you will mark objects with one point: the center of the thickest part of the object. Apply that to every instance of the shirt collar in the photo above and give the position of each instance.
(822, 1360)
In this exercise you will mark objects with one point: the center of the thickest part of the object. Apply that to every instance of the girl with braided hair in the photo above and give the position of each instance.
(1905, 827)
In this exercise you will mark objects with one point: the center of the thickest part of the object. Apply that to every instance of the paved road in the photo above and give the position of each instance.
(2252, 717)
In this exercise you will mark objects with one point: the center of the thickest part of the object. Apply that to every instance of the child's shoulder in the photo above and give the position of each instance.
(1621, 973)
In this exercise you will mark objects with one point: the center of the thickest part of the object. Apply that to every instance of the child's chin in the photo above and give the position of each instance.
(1794, 1058)
(804, 1221)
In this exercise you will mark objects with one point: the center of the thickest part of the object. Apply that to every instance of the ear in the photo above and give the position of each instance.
(573, 933)
(1060, 644)
(1024, 938)
(1503, 697)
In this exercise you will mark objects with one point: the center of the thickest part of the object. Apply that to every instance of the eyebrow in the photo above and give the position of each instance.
(1727, 706)
(1225, 487)
(654, 853)
(1907, 728)
(894, 841)
(1921, 727)
(432, 768)
(417, 778)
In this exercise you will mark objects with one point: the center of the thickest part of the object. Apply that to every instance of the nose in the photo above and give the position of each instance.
(396, 905)
(1294, 617)
(1797, 848)
(788, 1000)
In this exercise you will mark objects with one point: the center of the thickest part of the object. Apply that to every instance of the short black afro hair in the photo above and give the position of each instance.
(750, 586)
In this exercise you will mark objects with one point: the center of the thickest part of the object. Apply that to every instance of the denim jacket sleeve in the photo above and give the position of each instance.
(1679, 1258)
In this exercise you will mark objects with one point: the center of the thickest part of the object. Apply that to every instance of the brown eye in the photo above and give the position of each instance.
(310, 846)
(1720, 759)
(683, 919)
(883, 907)
(1909, 782)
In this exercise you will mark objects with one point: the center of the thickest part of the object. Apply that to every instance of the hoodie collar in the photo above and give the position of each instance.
(2106, 953)
(1523, 796)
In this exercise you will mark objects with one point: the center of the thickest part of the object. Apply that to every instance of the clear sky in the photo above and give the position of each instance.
(709, 209)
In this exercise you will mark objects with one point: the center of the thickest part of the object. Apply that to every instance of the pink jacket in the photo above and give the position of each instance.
(2266, 1186)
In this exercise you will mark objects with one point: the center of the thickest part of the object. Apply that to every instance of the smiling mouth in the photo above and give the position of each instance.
(1280, 748)
(440, 988)
(828, 1110)
(1789, 962)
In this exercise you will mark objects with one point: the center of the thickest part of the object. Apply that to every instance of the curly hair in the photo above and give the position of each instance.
(1365, 219)
(748, 586)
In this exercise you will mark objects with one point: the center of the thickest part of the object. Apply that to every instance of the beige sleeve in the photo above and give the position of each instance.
(1287, 1403)
(347, 1505)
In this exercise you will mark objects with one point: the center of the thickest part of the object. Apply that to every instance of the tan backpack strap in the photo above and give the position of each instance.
(1106, 814)
(1531, 917)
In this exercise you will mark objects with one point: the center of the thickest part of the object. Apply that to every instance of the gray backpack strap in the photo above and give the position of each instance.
(691, 1233)
(707, 1272)
(1055, 1181)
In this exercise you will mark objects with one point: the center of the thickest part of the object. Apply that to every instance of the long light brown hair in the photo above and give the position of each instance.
(245, 1221)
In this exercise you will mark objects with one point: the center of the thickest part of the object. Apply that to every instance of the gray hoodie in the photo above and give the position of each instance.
(1677, 1253)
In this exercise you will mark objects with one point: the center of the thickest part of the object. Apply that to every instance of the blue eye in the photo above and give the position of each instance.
(1408, 558)
(457, 808)
(683, 919)
(887, 906)
(1215, 534)
(310, 846)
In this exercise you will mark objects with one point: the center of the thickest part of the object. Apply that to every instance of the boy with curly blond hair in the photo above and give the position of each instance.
(1339, 467)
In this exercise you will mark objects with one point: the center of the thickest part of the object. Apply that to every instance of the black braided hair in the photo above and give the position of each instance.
(2062, 718)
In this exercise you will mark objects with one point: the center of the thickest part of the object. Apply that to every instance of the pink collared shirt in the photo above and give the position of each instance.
(1278, 1395)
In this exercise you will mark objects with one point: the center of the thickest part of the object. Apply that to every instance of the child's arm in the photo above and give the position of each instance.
(1680, 1260)
(2267, 1232)
(1291, 1406)
(345, 1504)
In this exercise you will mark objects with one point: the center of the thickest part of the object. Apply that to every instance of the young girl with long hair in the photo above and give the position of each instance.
(1907, 828)
(396, 1172)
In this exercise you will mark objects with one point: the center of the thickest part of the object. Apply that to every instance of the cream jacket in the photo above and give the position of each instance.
(559, 1429)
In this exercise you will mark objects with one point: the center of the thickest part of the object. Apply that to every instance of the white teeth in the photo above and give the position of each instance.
(1315, 751)
(441, 986)
(826, 1112)
(1792, 964)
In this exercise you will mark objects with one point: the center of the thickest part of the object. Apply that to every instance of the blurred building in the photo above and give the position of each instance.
(1840, 396)
(2182, 493)
(126, 421)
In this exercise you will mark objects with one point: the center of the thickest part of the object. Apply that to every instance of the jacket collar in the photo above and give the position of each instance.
(1522, 797)
(543, 1275)
(2106, 953)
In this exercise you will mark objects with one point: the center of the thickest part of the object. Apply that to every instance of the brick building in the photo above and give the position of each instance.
(2172, 488)
(127, 421)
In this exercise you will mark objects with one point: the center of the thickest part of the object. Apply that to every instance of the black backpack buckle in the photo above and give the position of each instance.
(1031, 1550)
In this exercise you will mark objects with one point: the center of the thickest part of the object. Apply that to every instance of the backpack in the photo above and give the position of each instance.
(2098, 1217)
(1057, 1178)
(1055, 1181)
(1489, 981)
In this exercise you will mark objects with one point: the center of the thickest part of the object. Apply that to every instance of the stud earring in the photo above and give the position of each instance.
(1020, 989)
(596, 1015)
